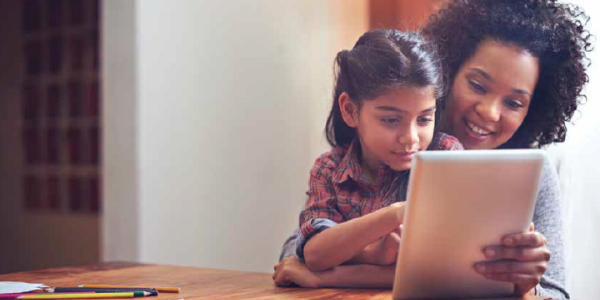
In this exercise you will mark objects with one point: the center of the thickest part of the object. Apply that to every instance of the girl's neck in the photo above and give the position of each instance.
(370, 165)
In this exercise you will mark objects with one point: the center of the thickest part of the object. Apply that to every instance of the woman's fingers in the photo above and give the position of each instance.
(523, 282)
(536, 268)
(513, 277)
(530, 239)
(517, 253)
(521, 259)
(525, 275)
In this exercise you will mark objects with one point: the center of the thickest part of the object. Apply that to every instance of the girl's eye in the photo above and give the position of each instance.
(514, 104)
(425, 120)
(390, 121)
(476, 86)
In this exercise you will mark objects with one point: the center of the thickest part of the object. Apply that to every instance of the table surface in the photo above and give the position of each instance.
(195, 283)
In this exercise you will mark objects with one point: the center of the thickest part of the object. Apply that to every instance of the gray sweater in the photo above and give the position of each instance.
(548, 221)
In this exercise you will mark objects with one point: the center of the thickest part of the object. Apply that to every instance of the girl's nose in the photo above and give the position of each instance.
(409, 137)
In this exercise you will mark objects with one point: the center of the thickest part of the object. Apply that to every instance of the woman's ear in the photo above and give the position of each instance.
(349, 110)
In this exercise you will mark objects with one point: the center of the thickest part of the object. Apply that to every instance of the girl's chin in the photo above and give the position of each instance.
(403, 166)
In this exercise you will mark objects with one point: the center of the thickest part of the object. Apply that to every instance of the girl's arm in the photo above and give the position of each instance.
(344, 241)
(292, 271)
(359, 276)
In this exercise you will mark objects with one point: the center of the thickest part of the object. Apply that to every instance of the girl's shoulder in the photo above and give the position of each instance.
(444, 141)
(329, 163)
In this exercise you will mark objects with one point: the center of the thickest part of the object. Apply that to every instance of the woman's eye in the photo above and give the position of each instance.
(514, 104)
(476, 86)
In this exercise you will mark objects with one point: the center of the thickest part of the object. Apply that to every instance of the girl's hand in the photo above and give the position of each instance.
(385, 251)
(522, 259)
(291, 271)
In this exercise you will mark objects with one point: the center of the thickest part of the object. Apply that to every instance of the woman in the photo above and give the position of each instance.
(517, 69)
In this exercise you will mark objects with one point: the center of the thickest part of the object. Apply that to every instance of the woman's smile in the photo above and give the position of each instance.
(476, 131)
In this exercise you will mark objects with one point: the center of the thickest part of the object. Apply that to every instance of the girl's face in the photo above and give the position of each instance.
(393, 126)
(490, 96)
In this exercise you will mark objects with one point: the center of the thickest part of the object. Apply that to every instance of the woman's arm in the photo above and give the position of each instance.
(344, 241)
(292, 271)
(548, 221)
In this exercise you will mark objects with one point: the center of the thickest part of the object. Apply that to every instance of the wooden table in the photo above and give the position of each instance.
(195, 283)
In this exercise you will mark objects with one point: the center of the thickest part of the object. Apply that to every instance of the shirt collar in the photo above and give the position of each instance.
(350, 168)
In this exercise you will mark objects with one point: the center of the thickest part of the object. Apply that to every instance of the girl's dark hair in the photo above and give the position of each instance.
(550, 31)
(381, 60)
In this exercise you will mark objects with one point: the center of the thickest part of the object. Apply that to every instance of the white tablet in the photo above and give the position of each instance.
(459, 202)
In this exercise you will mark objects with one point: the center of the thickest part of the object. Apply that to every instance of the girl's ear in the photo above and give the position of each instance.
(349, 110)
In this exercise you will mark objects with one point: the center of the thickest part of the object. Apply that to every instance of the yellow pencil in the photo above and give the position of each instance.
(160, 289)
(86, 295)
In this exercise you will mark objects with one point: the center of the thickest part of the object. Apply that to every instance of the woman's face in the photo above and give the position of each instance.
(490, 95)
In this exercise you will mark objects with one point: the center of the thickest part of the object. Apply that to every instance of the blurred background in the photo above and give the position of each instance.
(182, 132)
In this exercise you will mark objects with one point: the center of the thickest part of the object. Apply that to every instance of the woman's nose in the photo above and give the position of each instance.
(489, 109)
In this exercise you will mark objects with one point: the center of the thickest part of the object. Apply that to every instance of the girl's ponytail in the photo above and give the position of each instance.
(336, 130)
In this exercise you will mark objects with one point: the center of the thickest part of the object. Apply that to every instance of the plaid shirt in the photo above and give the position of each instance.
(340, 191)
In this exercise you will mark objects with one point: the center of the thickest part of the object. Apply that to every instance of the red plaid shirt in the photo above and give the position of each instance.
(340, 191)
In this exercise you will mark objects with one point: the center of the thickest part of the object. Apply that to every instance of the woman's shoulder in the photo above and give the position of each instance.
(549, 183)
(444, 141)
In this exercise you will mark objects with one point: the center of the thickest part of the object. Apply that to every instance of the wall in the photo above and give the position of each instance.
(579, 170)
(214, 115)
(120, 219)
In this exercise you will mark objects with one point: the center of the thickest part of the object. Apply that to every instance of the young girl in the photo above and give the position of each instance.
(383, 112)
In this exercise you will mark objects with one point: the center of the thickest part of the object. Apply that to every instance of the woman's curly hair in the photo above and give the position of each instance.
(551, 31)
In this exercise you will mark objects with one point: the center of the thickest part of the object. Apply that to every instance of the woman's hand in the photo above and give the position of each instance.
(522, 259)
(291, 271)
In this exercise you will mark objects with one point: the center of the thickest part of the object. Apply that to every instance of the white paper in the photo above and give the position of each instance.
(14, 287)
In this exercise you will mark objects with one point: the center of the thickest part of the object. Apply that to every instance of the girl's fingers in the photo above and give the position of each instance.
(395, 238)
(280, 279)
(518, 253)
(283, 283)
(530, 239)
(531, 227)
(511, 267)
